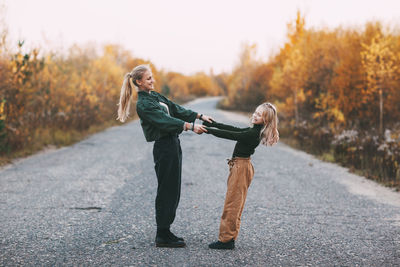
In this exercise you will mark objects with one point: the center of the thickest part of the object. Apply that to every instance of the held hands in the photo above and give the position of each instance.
(199, 129)
(212, 123)
(208, 124)
(206, 118)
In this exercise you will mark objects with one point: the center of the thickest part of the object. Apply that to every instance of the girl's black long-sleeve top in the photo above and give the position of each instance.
(247, 138)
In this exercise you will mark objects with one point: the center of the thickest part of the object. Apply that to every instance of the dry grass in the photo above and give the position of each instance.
(45, 139)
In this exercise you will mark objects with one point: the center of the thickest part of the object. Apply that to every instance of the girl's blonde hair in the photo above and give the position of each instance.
(269, 134)
(127, 89)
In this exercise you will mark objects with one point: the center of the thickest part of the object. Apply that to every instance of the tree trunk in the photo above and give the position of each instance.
(380, 111)
(296, 110)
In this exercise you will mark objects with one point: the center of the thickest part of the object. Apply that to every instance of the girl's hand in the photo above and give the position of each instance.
(208, 124)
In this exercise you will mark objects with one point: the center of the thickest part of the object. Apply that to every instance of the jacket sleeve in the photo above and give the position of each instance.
(225, 126)
(237, 136)
(180, 112)
(159, 119)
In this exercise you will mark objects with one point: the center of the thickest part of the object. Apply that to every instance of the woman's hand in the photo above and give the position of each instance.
(207, 118)
(199, 129)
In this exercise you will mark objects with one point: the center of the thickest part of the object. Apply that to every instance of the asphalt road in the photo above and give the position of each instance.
(93, 204)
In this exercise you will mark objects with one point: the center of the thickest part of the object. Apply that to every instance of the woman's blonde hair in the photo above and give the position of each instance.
(269, 134)
(127, 89)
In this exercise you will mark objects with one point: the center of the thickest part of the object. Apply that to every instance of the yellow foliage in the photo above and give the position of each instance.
(330, 77)
(2, 114)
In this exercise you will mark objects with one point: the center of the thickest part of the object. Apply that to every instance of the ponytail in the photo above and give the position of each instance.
(128, 85)
(125, 98)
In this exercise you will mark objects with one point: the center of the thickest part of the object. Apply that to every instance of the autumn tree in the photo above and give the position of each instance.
(378, 61)
(238, 83)
(177, 85)
(201, 84)
(289, 77)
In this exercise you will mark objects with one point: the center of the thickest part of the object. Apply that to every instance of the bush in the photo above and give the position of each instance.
(312, 138)
(378, 157)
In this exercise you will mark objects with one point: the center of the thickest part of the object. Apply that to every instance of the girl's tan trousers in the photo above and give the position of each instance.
(240, 175)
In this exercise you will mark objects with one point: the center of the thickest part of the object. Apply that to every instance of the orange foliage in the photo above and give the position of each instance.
(74, 92)
(333, 78)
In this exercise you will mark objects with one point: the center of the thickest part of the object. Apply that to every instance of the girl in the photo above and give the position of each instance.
(241, 170)
(162, 121)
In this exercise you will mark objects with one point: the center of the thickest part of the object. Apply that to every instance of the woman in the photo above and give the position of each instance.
(241, 171)
(162, 121)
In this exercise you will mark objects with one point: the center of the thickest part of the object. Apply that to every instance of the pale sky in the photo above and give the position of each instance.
(186, 36)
